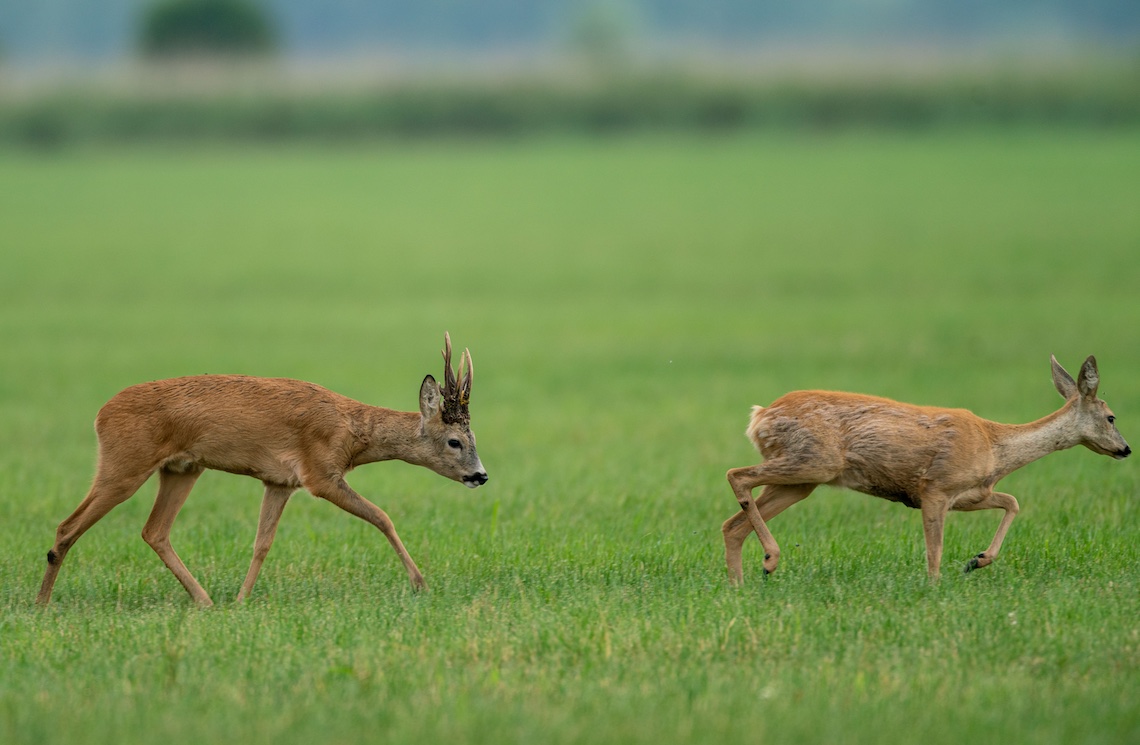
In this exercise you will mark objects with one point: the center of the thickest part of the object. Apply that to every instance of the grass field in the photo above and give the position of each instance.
(625, 301)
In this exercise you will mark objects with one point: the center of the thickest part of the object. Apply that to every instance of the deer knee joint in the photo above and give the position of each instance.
(733, 478)
(154, 539)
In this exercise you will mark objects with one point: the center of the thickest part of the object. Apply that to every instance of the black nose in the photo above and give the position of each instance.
(478, 479)
(1126, 452)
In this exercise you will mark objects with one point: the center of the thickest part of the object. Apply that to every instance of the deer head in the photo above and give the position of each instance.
(1096, 424)
(447, 421)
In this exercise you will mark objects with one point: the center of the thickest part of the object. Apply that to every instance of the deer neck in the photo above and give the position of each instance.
(1016, 445)
(390, 435)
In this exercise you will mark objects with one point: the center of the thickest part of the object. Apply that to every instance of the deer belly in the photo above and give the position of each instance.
(261, 464)
(276, 476)
(882, 488)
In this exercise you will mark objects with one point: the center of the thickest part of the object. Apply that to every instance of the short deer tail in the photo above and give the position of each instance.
(753, 430)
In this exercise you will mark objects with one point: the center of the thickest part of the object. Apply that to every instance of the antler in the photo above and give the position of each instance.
(465, 380)
(448, 373)
(456, 395)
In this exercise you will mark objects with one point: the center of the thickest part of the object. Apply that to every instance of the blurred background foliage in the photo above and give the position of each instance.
(125, 70)
(180, 28)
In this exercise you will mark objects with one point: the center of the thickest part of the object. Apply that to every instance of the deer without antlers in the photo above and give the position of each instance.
(929, 458)
(287, 433)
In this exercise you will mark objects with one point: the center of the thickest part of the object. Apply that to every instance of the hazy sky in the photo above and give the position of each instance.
(106, 29)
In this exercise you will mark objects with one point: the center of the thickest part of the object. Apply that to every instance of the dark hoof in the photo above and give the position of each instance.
(972, 564)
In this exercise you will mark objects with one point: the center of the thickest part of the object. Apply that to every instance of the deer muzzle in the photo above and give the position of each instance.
(475, 480)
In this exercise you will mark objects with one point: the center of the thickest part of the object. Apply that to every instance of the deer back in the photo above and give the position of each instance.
(261, 427)
(870, 444)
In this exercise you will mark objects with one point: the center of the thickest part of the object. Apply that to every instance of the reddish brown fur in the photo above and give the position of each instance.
(930, 458)
(287, 433)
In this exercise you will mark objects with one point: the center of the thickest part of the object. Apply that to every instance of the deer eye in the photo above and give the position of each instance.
(1111, 419)
(453, 443)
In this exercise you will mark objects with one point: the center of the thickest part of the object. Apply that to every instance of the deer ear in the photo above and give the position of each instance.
(1066, 386)
(429, 397)
(1088, 379)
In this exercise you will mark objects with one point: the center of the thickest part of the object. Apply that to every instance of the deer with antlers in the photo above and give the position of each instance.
(929, 458)
(286, 433)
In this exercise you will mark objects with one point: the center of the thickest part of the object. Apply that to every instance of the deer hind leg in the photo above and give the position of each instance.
(992, 501)
(108, 490)
(772, 501)
(272, 505)
(776, 472)
(342, 495)
(173, 489)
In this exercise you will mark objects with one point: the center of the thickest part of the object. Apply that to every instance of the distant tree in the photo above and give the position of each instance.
(174, 28)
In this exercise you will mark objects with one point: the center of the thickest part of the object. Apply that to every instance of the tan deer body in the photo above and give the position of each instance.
(929, 458)
(287, 433)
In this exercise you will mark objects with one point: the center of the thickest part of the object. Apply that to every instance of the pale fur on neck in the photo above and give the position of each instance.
(391, 435)
(1016, 445)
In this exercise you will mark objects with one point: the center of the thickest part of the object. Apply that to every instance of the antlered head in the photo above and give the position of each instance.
(447, 421)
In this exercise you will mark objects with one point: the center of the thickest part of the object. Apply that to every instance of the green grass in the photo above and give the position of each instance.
(625, 301)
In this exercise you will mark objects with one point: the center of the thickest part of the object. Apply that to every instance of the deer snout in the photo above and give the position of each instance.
(1122, 454)
(475, 479)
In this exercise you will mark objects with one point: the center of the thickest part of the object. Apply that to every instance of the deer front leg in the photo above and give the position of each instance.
(992, 501)
(341, 494)
(934, 509)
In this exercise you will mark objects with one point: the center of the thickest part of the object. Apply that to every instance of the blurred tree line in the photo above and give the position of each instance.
(659, 103)
(615, 96)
